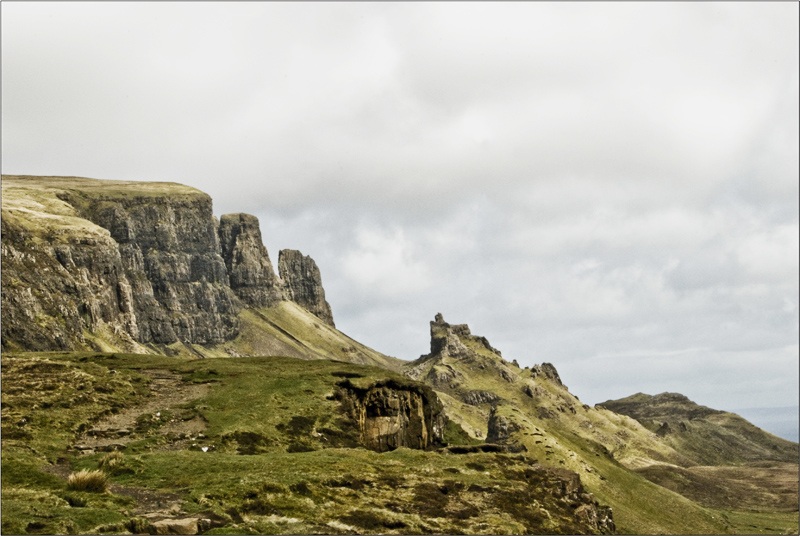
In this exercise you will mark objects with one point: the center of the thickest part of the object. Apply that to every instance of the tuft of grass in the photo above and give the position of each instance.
(111, 461)
(94, 481)
(137, 525)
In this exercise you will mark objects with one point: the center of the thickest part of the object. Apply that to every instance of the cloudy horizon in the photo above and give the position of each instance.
(609, 187)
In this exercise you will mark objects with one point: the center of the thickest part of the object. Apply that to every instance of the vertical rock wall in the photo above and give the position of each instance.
(250, 271)
(171, 257)
(149, 264)
(303, 283)
(391, 415)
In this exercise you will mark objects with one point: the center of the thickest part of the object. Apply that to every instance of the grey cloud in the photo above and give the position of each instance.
(587, 184)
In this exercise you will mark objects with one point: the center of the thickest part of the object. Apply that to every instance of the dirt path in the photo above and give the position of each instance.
(160, 509)
(167, 392)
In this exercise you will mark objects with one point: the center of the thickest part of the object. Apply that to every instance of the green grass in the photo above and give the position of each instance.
(760, 522)
(274, 463)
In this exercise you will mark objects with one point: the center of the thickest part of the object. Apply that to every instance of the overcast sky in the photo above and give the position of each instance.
(612, 188)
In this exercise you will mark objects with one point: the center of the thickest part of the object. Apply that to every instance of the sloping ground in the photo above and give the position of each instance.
(704, 435)
(298, 333)
(531, 411)
(763, 486)
(279, 454)
(283, 330)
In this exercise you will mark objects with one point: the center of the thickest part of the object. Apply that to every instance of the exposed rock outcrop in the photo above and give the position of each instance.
(500, 428)
(548, 371)
(451, 343)
(86, 261)
(476, 398)
(148, 268)
(390, 414)
(303, 283)
(250, 271)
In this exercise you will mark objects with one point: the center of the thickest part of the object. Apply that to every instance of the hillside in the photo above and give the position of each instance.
(531, 411)
(704, 435)
(149, 341)
(145, 267)
(258, 445)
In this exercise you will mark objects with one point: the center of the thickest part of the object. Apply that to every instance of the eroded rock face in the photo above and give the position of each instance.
(476, 398)
(170, 257)
(548, 371)
(302, 283)
(500, 428)
(391, 415)
(250, 271)
(567, 486)
(52, 292)
(140, 265)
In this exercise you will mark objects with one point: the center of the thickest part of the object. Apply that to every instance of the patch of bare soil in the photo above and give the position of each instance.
(167, 392)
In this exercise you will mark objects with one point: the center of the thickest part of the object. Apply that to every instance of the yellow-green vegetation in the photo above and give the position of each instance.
(623, 462)
(93, 481)
(754, 522)
(288, 329)
(261, 445)
(39, 205)
(275, 455)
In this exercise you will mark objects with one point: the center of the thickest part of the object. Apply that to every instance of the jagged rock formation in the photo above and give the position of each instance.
(548, 371)
(142, 263)
(250, 271)
(500, 428)
(390, 414)
(303, 283)
(451, 344)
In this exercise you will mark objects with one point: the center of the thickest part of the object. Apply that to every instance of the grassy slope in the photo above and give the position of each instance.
(704, 435)
(604, 447)
(269, 465)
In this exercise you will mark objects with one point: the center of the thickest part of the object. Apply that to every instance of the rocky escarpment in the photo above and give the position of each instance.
(390, 414)
(453, 343)
(303, 284)
(250, 271)
(143, 264)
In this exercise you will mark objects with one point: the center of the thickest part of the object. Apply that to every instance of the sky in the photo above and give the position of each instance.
(608, 187)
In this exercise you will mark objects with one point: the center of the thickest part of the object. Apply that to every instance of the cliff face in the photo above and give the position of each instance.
(303, 283)
(391, 414)
(251, 275)
(143, 263)
(170, 255)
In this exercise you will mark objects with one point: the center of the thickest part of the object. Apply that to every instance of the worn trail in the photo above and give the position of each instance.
(167, 392)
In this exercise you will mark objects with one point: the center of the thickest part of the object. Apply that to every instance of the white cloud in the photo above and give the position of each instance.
(385, 262)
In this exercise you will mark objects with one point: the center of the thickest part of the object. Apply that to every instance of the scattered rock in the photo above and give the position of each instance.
(476, 398)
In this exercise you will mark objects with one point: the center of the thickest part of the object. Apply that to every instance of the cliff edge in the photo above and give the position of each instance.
(137, 266)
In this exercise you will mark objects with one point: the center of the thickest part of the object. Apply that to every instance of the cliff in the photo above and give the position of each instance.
(91, 264)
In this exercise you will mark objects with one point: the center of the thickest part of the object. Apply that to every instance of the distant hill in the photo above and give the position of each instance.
(704, 435)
